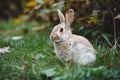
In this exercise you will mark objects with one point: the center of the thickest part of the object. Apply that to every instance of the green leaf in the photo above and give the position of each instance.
(43, 11)
(95, 33)
(50, 72)
(108, 35)
(40, 1)
(81, 28)
(57, 78)
(57, 6)
(97, 71)
(88, 31)
(118, 16)
(66, 74)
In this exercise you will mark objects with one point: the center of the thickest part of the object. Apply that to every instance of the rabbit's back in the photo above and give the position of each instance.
(76, 48)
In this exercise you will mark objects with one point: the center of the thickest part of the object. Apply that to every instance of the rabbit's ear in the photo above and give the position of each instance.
(69, 16)
(61, 16)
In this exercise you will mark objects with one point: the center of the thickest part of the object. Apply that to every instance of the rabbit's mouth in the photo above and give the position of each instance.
(55, 40)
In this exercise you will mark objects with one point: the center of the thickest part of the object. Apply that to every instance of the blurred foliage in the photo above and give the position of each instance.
(91, 16)
(11, 8)
(44, 10)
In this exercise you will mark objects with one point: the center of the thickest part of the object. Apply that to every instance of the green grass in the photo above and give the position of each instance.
(33, 58)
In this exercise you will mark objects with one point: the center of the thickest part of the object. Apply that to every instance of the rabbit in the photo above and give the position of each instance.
(70, 47)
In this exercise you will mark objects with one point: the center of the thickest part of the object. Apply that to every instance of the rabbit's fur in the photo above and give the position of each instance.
(70, 47)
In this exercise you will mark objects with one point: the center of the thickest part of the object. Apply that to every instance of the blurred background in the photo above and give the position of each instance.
(26, 52)
(92, 17)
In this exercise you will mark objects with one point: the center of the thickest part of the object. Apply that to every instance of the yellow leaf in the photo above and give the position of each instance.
(26, 9)
(89, 21)
(94, 20)
(18, 20)
(31, 3)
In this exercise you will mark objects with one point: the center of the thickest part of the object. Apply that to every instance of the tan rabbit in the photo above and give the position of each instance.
(70, 47)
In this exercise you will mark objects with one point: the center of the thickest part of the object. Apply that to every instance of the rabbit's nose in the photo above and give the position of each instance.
(52, 37)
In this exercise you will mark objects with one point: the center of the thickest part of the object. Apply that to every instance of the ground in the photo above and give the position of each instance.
(32, 57)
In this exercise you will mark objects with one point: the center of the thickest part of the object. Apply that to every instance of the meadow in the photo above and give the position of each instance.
(32, 57)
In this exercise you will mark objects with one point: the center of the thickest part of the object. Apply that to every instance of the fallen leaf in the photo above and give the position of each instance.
(4, 50)
(50, 72)
(17, 37)
(117, 17)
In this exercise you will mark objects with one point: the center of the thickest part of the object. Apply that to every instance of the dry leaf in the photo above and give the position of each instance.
(4, 50)
(17, 37)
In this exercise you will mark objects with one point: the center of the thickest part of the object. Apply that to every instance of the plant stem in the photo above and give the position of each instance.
(114, 25)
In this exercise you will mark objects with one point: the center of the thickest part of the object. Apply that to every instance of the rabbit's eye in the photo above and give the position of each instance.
(61, 29)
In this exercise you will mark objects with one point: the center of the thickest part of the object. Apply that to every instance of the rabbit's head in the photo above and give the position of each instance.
(62, 31)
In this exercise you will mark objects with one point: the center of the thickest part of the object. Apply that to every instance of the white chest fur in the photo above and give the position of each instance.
(63, 50)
